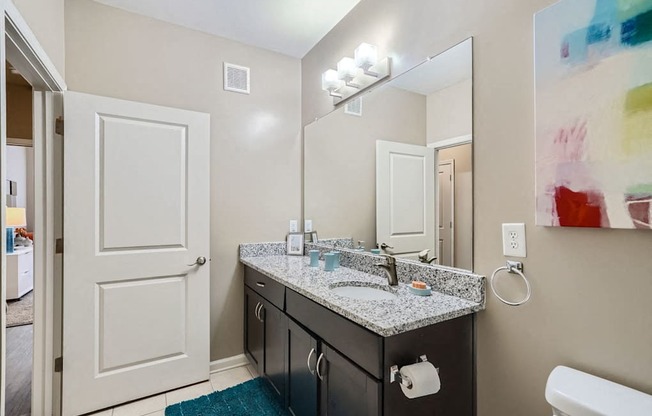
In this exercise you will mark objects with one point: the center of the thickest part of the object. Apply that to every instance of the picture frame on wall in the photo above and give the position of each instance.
(313, 237)
(295, 244)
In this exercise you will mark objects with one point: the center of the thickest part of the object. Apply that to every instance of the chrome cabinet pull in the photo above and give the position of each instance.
(260, 284)
(258, 306)
(321, 377)
(312, 351)
(201, 260)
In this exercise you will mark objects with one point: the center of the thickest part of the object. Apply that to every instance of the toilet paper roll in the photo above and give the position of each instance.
(424, 377)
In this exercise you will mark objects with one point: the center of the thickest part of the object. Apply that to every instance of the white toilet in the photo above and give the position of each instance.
(574, 393)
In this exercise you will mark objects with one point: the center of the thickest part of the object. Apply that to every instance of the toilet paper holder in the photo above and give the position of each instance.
(395, 373)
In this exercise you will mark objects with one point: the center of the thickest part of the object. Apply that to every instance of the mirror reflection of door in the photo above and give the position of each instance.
(455, 206)
(446, 199)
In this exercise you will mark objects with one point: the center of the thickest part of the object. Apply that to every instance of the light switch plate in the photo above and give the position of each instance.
(514, 240)
(307, 226)
(294, 226)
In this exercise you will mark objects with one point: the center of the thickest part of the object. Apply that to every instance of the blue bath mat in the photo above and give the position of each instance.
(252, 398)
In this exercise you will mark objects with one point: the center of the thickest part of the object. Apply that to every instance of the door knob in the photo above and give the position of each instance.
(201, 260)
(384, 246)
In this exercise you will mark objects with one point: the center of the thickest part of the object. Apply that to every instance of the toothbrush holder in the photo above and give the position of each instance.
(314, 258)
(329, 259)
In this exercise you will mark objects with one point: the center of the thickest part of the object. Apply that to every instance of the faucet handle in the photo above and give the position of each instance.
(390, 259)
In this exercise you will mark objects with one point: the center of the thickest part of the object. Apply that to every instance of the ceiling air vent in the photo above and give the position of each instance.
(236, 78)
(354, 107)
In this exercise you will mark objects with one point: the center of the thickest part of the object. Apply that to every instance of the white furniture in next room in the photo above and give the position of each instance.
(20, 275)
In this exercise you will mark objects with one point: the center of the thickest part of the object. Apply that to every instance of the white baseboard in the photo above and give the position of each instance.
(228, 363)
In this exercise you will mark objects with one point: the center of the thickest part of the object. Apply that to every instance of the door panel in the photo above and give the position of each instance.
(347, 390)
(405, 197)
(135, 314)
(254, 331)
(445, 213)
(275, 330)
(302, 382)
(128, 173)
(121, 346)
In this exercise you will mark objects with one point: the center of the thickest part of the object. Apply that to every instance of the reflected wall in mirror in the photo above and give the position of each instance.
(394, 169)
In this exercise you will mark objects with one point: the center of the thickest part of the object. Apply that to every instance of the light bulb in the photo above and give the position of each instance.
(366, 56)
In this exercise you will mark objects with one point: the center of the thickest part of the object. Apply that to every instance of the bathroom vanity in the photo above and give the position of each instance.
(331, 355)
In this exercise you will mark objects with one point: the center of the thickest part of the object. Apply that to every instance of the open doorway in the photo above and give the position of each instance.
(455, 205)
(19, 224)
(20, 250)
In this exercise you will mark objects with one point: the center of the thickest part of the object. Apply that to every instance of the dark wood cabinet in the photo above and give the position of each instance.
(274, 345)
(302, 384)
(264, 342)
(254, 331)
(345, 389)
(321, 363)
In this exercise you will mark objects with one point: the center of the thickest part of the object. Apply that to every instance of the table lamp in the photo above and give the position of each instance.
(16, 217)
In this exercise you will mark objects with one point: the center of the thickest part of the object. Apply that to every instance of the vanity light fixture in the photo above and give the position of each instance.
(355, 75)
(331, 82)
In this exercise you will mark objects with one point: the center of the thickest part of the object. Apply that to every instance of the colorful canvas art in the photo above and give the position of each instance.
(593, 76)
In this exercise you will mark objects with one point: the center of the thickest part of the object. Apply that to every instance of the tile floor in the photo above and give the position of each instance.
(155, 405)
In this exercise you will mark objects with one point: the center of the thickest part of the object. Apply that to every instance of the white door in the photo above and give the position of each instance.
(445, 212)
(136, 216)
(405, 198)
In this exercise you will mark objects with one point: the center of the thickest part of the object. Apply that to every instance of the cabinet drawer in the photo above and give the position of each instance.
(360, 345)
(268, 288)
(25, 262)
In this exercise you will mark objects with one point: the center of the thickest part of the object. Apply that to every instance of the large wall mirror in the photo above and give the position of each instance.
(394, 169)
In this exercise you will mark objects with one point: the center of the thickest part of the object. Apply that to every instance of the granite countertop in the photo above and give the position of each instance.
(384, 317)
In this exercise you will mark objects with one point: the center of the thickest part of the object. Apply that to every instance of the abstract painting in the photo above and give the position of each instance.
(593, 81)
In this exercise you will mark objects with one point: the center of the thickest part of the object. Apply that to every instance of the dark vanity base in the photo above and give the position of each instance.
(287, 335)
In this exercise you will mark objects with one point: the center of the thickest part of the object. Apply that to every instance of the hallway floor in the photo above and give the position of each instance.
(19, 371)
(155, 405)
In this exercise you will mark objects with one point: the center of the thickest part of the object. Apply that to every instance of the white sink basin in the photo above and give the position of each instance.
(363, 293)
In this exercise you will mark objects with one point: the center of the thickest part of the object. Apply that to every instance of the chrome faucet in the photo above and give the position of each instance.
(390, 269)
(423, 257)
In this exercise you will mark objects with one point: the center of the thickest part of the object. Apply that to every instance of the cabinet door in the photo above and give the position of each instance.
(302, 380)
(275, 323)
(254, 330)
(346, 390)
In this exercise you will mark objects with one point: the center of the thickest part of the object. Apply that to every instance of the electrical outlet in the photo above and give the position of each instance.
(514, 240)
(294, 226)
(307, 226)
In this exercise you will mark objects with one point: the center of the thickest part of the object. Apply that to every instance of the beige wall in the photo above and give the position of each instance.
(590, 306)
(46, 19)
(450, 112)
(255, 146)
(340, 161)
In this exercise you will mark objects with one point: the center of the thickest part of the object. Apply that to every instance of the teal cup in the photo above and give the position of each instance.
(375, 251)
(314, 258)
(336, 262)
(329, 258)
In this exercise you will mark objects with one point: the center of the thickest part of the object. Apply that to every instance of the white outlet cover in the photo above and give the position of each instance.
(307, 226)
(514, 244)
(294, 226)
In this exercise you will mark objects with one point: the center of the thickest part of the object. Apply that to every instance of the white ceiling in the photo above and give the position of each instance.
(291, 27)
(448, 68)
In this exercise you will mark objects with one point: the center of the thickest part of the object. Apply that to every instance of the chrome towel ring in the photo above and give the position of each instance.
(512, 267)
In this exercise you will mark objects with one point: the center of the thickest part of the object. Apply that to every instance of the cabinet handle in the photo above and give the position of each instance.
(312, 351)
(260, 284)
(260, 313)
(321, 377)
(258, 305)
